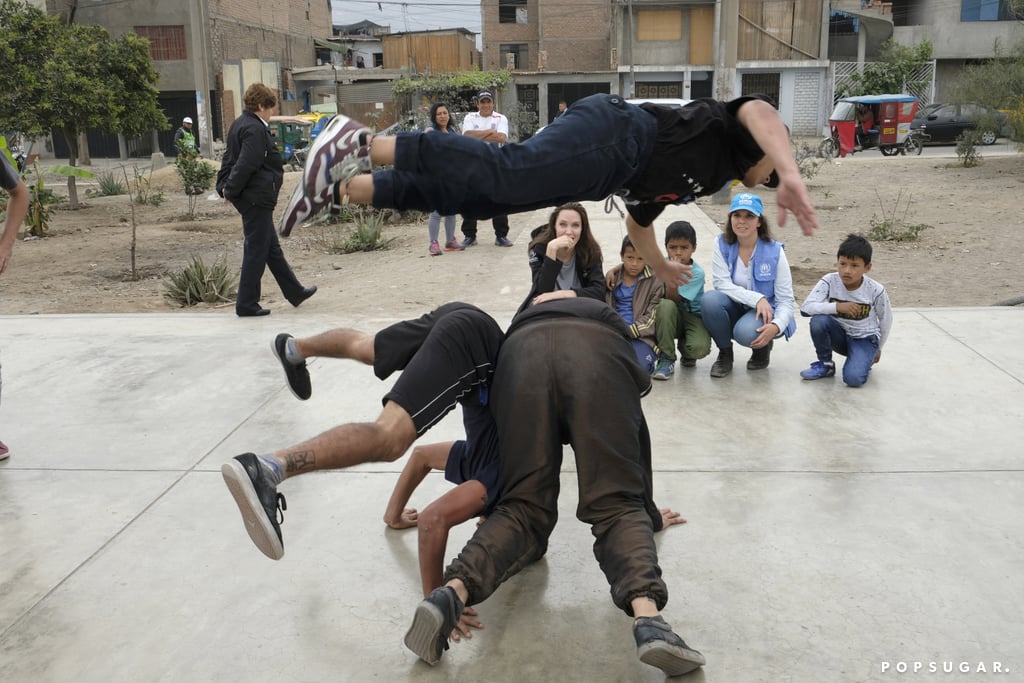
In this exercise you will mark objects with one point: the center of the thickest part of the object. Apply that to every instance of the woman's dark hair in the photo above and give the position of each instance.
(258, 95)
(764, 232)
(588, 251)
(452, 128)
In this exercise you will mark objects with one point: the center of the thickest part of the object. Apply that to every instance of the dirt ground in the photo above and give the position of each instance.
(960, 259)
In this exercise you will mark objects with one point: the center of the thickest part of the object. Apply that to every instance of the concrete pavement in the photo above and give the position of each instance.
(834, 534)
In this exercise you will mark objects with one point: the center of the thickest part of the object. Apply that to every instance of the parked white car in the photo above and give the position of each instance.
(674, 102)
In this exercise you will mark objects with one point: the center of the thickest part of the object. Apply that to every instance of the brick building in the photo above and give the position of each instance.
(207, 52)
(567, 49)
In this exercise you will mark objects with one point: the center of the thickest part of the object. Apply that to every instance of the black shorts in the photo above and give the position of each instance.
(446, 357)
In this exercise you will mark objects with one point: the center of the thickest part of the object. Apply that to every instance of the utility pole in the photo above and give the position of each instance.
(727, 48)
(199, 13)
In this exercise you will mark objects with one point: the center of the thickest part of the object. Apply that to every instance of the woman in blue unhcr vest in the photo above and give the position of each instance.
(752, 301)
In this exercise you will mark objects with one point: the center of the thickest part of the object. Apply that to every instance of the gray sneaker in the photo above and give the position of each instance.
(433, 622)
(258, 501)
(658, 646)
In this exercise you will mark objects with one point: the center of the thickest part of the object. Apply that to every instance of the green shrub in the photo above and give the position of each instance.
(367, 234)
(196, 176)
(144, 194)
(199, 283)
(967, 148)
(110, 185)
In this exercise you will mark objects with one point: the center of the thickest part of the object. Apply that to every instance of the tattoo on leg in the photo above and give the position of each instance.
(300, 461)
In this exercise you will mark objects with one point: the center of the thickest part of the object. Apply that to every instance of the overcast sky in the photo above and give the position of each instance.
(413, 15)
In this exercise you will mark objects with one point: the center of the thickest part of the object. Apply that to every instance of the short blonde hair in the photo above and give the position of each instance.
(258, 95)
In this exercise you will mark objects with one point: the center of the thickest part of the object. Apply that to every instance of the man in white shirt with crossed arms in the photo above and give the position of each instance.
(490, 126)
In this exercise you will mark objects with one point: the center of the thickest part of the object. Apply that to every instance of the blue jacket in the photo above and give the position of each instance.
(771, 279)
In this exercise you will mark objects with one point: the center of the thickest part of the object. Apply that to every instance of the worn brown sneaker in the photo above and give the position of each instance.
(658, 646)
(723, 364)
(433, 622)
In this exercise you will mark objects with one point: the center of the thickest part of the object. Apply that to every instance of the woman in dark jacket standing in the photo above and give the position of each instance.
(250, 178)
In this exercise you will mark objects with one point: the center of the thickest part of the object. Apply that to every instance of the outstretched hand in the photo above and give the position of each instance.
(467, 621)
(672, 273)
(791, 195)
(670, 517)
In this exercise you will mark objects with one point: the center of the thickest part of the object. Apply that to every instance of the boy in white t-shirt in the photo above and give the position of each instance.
(850, 315)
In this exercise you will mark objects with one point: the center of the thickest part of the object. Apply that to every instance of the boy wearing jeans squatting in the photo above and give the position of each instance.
(850, 314)
(678, 314)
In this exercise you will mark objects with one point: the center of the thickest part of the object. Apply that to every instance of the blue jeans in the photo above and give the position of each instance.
(644, 355)
(727, 320)
(593, 150)
(829, 336)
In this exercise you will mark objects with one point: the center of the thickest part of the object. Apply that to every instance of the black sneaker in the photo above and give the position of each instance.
(258, 501)
(433, 622)
(688, 362)
(297, 375)
(658, 646)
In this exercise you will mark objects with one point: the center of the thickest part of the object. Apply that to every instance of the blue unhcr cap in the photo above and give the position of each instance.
(748, 202)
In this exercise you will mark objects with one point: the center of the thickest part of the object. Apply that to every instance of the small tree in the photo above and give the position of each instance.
(73, 78)
(196, 175)
(998, 83)
(894, 72)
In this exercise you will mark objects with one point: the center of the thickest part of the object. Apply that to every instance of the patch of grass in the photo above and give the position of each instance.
(199, 283)
(893, 225)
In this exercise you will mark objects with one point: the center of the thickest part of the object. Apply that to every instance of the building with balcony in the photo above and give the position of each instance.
(566, 49)
(960, 32)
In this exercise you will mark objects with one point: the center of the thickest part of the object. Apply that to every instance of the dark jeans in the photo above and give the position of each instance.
(593, 150)
(828, 336)
(541, 399)
(261, 251)
(499, 222)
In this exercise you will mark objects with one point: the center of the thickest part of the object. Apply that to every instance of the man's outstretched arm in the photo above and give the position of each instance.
(764, 124)
(465, 501)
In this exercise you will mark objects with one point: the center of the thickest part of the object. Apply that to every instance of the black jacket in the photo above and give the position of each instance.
(252, 169)
(545, 276)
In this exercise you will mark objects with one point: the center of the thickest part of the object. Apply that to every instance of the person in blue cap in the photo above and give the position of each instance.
(752, 301)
